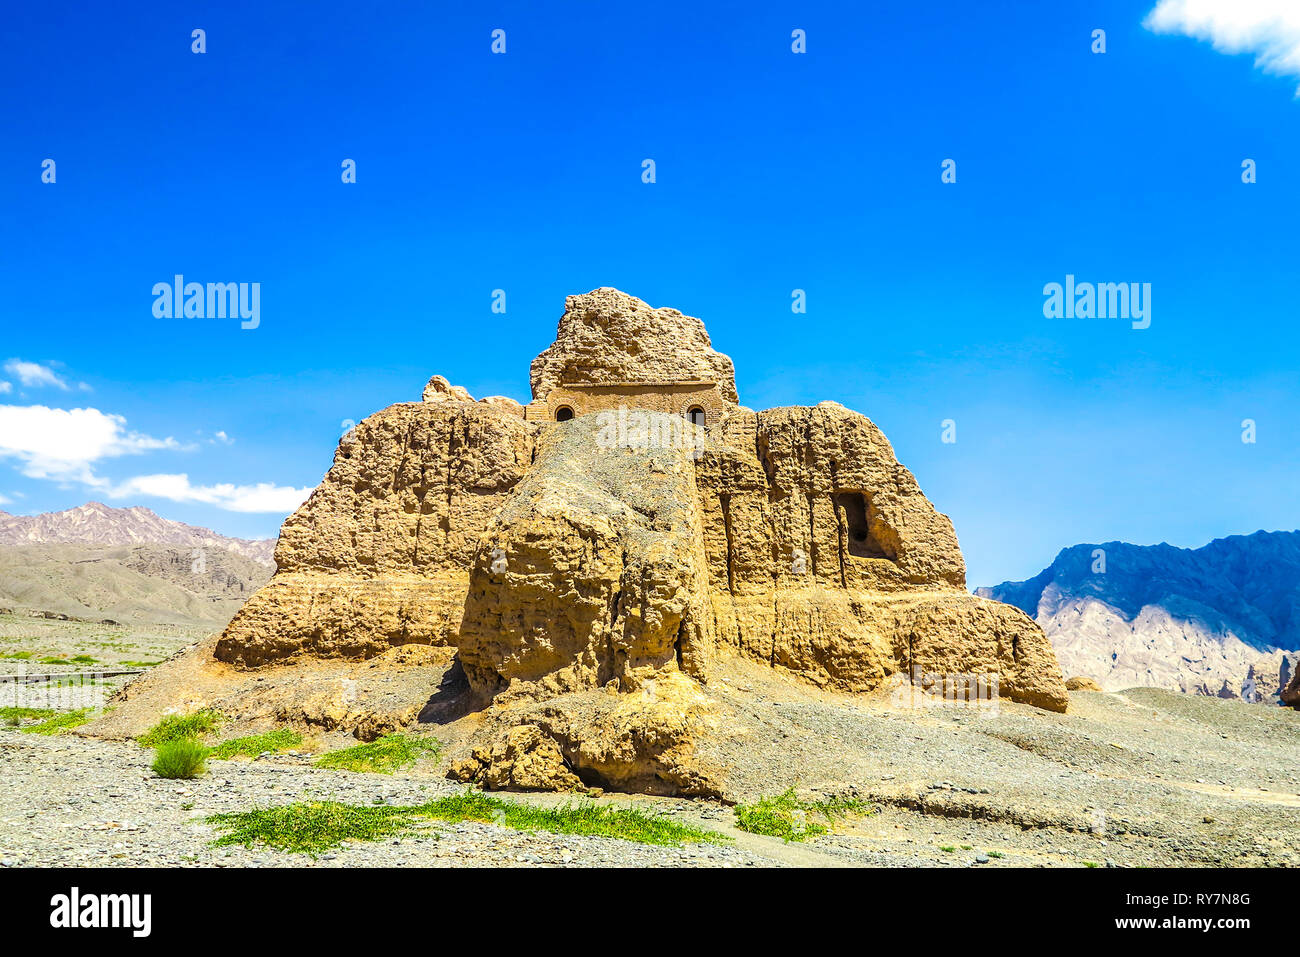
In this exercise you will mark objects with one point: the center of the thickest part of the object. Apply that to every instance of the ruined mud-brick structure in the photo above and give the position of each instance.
(558, 555)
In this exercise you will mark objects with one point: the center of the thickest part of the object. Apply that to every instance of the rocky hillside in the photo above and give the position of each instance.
(131, 584)
(1210, 620)
(98, 524)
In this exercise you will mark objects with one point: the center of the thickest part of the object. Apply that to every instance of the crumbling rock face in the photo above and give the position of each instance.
(592, 572)
(525, 758)
(609, 336)
(798, 496)
(641, 741)
(378, 555)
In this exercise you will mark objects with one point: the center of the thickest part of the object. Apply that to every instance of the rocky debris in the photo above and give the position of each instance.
(1216, 620)
(440, 390)
(525, 759)
(1082, 683)
(591, 574)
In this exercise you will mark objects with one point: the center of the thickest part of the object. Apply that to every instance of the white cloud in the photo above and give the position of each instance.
(35, 375)
(262, 497)
(222, 438)
(63, 444)
(4, 500)
(1270, 29)
(6, 387)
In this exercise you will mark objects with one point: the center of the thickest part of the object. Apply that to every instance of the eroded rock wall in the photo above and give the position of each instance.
(379, 554)
(592, 571)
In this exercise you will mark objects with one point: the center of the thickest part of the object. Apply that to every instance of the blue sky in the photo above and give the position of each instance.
(775, 171)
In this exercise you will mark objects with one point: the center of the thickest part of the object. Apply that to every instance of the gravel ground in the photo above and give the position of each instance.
(70, 801)
(1141, 778)
(1134, 779)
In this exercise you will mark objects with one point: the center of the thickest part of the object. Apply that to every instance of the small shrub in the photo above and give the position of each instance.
(253, 745)
(182, 758)
(84, 660)
(174, 727)
(53, 661)
(790, 819)
(384, 756)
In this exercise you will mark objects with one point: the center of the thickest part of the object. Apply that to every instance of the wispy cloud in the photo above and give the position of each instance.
(6, 387)
(33, 375)
(262, 497)
(1270, 29)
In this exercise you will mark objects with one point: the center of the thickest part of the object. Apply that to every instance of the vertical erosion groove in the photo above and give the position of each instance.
(812, 537)
(724, 500)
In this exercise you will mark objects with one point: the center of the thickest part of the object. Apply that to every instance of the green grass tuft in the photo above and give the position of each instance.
(182, 758)
(790, 819)
(19, 655)
(24, 714)
(319, 825)
(174, 727)
(53, 661)
(309, 827)
(384, 756)
(84, 660)
(60, 723)
(587, 818)
(253, 745)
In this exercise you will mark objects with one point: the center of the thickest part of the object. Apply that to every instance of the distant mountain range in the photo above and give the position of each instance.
(130, 584)
(97, 524)
(127, 565)
(1215, 620)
